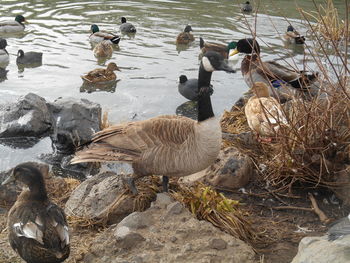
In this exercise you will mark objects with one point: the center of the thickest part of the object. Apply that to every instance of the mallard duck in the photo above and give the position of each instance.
(224, 50)
(339, 228)
(246, 7)
(185, 37)
(127, 27)
(103, 49)
(264, 113)
(283, 82)
(165, 145)
(189, 88)
(292, 36)
(13, 26)
(97, 36)
(29, 57)
(38, 230)
(4, 55)
(101, 75)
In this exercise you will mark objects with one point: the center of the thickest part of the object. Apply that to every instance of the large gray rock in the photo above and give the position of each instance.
(29, 117)
(98, 198)
(166, 232)
(320, 250)
(75, 123)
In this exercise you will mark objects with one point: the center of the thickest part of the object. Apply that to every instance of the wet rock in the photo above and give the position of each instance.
(96, 198)
(175, 240)
(75, 123)
(320, 250)
(232, 170)
(28, 117)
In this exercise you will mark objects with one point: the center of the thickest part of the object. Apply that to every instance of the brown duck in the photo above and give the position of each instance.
(101, 75)
(185, 37)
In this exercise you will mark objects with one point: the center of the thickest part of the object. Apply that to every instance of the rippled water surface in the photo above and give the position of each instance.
(150, 61)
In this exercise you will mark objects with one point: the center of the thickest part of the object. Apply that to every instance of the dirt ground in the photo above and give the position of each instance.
(281, 230)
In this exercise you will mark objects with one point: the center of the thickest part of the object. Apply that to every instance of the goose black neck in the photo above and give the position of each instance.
(205, 110)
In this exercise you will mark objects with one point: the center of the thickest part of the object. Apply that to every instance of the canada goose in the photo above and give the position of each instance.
(224, 50)
(126, 27)
(264, 114)
(13, 26)
(185, 37)
(4, 55)
(165, 145)
(38, 230)
(3, 73)
(339, 228)
(103, 49)
(285, 81)
(246, 7)
(292, 36)
(29, 57)
(97, 36)
(101, 75)
(189, 88)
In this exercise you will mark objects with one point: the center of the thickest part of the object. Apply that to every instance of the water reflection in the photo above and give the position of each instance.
(94, 87)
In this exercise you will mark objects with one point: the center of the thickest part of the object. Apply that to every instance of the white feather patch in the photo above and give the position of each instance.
(207, 65)
(29, 230)
(63, 233)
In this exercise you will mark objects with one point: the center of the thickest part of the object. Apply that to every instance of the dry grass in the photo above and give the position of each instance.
(105, 122)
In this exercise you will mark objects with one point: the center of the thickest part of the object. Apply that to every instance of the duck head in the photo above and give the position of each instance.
(261, 90)
(213, 61)
(247, 46)
(112, 67)
(26, 174)
(3, 43)
(94, 28)
(290, 28)
(20, 53)
(188, 28)
(232, 45)
(20, 19)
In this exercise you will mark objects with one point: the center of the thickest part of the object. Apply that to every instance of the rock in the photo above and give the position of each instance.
(232, 170)
(343, 190)
(135, 220)
(175, 239)
(320, 250)
(174, 208)
(29, 117)
(75, 123)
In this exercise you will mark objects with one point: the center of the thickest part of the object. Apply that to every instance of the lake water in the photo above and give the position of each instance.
(150, 61)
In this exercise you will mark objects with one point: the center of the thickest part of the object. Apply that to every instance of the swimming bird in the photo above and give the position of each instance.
(98, 36)
(189, 88)
(38, 230)
(103, 49)
(13, 26)
(246, 7)
(223, 49)
(3, 73)
(339, 228)
(264, 113)
(283, 82)
(101, 75)
(29, 57)
(4, 55)
(292, 36)
(185, 37)
(126, 27)
(167, 145)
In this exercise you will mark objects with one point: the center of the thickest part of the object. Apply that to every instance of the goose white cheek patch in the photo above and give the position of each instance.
(207, 65)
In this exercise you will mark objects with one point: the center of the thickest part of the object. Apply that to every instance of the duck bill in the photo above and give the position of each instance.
(234, 52)
(9, 179)
(225, 67)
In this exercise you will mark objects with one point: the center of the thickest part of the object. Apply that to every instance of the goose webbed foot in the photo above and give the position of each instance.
(165, 182)
(130, 183)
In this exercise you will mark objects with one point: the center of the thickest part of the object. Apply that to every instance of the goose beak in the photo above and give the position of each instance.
(9, 179)
(234, 52)
(225, 67)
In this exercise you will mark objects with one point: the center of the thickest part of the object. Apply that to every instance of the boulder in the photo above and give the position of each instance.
(232, 170)
(320, 250)
(166, 232)
(29, 117)
(75, 123)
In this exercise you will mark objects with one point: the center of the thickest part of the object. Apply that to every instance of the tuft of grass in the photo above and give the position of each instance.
(105, 122)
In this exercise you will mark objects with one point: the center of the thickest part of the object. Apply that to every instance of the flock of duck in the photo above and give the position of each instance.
(166, 145)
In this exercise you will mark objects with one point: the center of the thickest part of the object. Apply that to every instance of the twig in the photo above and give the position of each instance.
(323, 218)
(292, 207)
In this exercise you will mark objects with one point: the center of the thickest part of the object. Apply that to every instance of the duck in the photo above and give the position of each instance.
(13, 26)
(29, 57)
(126, 27)
(101, 75)
(4, 55)
(223, 49)
(189, 88)
(97, 36)
(103, 49)
(38, 229)
(185, 37)
(246, 7)
(339, 228)
(284, 83)
(264, 113)
(167, 145)
(292, 36)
